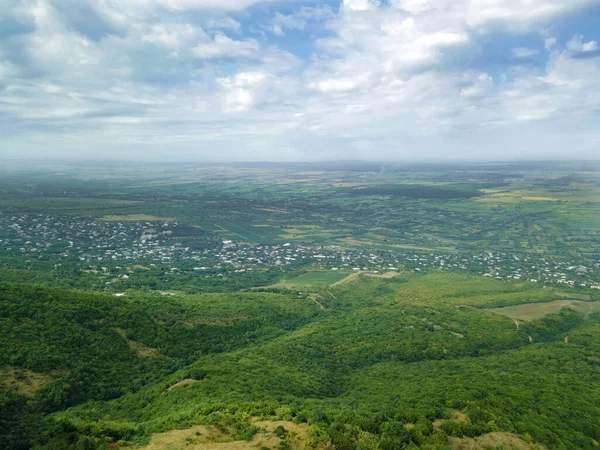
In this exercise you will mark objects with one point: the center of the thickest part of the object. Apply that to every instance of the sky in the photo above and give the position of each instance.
(300, 80)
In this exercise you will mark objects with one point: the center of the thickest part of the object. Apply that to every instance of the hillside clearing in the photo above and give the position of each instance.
(531, 311)
(329, 278)
(182, 383)
(203, 437)
(348, 279)
(140, 349)
(21, 381)
(386, 275)
(493, 440)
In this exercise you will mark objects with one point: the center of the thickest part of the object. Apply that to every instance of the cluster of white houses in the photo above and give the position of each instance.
(110, 247)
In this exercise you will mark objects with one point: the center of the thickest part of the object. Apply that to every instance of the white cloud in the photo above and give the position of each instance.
(224, 23)
(7, 70)
(137, 7)
(524, 52)
(201, 4)
(359, 5)
(225, 47)
(389, 41)
(413, 6)
(56, 50)
(241, 90)
(173, 35)
(480, 86)
(382, 73)
(443, 38)
(576, 44)
(569, 88)
(277, 29)
(343, 84)
(301, 19)
(549, 43)
(292, 22)
(590, 46)
(515, 15)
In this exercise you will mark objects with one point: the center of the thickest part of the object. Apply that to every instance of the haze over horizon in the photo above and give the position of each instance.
(299, 80)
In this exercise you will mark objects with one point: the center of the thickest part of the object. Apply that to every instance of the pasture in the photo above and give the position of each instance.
(531, 311)
(319, 277)
(314, 278)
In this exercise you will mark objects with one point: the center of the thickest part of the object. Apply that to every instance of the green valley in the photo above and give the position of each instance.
(294, 309)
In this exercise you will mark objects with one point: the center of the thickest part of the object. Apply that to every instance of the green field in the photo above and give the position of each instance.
(532, 311)
(135, 218)
(318, 278)
(501, 207)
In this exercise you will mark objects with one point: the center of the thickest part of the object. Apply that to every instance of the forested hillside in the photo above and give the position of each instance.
(404, 362)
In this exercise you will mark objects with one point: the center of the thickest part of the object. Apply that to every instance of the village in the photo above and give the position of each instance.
(118, 249)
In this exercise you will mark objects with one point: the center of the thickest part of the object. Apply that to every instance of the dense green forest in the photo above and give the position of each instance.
(380, 363)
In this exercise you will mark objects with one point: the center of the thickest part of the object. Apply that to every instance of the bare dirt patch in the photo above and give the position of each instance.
(22, 381)
(296, 433)
(348, 279)
(278, 285)
(315, 298)
(458, 416)
(273, 210)
(315, 277)
(455, 415)
(493, 440)
(182, 383)
(140, 349)
(203, 437)
(386, 275)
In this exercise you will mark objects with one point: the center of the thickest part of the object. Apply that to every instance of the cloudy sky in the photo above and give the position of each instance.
(299, 79)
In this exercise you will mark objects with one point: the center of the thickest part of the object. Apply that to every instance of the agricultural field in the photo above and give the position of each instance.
(135, 218)
(494, 207)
